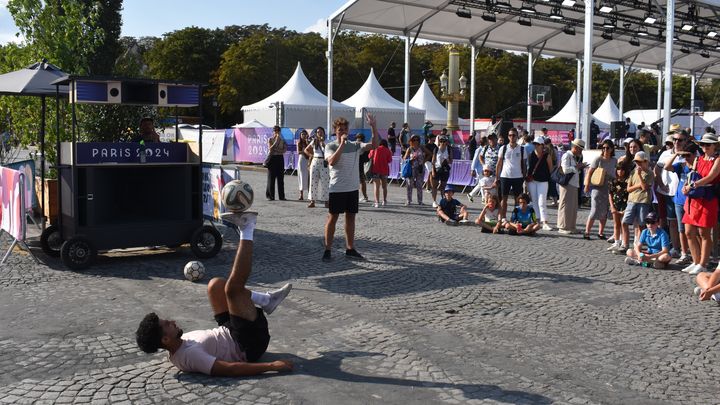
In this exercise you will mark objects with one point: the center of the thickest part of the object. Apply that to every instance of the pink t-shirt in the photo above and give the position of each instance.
(200, 349)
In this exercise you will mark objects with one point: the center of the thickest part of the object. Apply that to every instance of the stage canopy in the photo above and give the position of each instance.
(301, 105)
(551, 22)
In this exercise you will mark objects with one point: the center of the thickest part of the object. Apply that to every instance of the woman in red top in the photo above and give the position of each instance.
(701, 214)
(381, 158)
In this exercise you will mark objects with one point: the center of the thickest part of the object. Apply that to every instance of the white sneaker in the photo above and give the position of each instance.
(547, 227)
(376, 205)
(632, 262)
(434, 204)
(697, 291)
(239, 219)
(276, 297)
(384, 203)
(464, 222)
(688, 268)
(565, 231)
(697, 269)
(716, 297)
(613, 246)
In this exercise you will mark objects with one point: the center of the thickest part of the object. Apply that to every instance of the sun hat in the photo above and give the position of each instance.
(640, 157)
(674, 128)
(707, 138)
(579, 143)
(539, 140)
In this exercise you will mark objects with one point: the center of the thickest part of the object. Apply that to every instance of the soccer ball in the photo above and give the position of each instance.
(237, 196)
(194, 270)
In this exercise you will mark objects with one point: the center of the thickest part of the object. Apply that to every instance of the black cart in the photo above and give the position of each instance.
(127, 194)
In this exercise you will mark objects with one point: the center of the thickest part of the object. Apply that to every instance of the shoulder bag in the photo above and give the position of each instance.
(559, 177)
(598, 177)
(706, 191)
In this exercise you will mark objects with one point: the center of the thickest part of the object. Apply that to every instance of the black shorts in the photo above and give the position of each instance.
(343, 202)
(510, 186)
(252, 337)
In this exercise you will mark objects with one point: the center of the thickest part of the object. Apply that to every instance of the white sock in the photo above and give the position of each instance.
(246, 233)
(259, 298)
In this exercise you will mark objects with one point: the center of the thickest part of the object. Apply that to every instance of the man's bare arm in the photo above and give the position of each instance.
(237, 369)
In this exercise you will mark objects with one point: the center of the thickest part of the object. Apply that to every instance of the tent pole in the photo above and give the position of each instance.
(621, 96)
(529, 89)
(406, 87)
(578, 96)
(473, 56)
(669, 34)
(659, 94)
(329, 56)
(587, 74)
(42, 160)
(692, 103)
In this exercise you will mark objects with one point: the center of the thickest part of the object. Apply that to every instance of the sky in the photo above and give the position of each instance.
(156, 17)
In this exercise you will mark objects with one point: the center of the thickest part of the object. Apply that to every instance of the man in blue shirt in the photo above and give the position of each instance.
(658, 246)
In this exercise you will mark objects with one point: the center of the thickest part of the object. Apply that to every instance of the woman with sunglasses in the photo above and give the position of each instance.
(701, 213)
(416, 154)
(599, 193)
(319, 172)
(441, 162)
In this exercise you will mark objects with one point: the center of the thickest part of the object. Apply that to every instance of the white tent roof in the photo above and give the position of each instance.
(372, 95)
(424, 99)
(436, 20)
(251, 124)
(297, 91)
(568, 114)
(712, 117)
(608, 111)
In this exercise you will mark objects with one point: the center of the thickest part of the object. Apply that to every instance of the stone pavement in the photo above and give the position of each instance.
(435, 315)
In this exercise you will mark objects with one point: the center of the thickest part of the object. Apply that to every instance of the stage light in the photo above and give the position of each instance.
(609, 23)
(503, 4)
(634, 41)
(607, 35)
(685, 49)
(606, 7)
(569, 30)
(490, 17)
(556, 14)
(650, 19)
(525, 22)
(463, 12)
(642, 31)
(568, 3)
(527, 8)
(687, 26)
(712, 34)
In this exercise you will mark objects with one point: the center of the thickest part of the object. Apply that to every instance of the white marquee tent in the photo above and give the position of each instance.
(303, 106)
(424, 99)
(607, 113)
(568, 113)
(372, 98)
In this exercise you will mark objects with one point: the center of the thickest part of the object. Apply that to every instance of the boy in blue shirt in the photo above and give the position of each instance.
(523, 220)
(447, 209)
(658, 245)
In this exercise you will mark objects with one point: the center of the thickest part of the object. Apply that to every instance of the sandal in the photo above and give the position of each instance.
(586, 236)
(601, 236)
(311, 205)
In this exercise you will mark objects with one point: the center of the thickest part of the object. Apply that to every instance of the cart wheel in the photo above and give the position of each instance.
(51, 241)
(206, 242)
(78, 253)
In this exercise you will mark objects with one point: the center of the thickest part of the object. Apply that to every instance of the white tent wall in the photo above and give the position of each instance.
(385, 116)
(266, 116)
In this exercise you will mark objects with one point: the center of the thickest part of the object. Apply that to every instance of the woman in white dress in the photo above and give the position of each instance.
(302, 167)
(319, 172)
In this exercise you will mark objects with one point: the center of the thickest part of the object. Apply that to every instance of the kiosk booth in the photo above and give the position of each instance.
(128, 194)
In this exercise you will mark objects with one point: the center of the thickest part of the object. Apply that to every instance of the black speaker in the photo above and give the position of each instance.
(617, 129)
(505, 127)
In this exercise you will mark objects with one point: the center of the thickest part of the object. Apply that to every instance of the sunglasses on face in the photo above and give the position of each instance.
(606, 148)
(678, 140)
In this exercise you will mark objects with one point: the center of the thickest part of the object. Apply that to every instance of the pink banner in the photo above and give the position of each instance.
(11, 215)
(251, 144)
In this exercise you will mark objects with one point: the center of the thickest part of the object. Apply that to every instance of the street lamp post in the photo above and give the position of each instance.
(453, 89)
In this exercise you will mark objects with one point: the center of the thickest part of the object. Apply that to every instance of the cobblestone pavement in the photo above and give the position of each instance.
(436, 314)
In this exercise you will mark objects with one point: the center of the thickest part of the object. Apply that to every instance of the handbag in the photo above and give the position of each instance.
(406, 169)
(559, 177)
(598, 177)
(531, 177)
(705, 192)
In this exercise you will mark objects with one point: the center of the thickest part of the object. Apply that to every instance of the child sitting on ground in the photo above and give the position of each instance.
(489, 217)
(447, 209)
(523, 220)
(658, 246)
